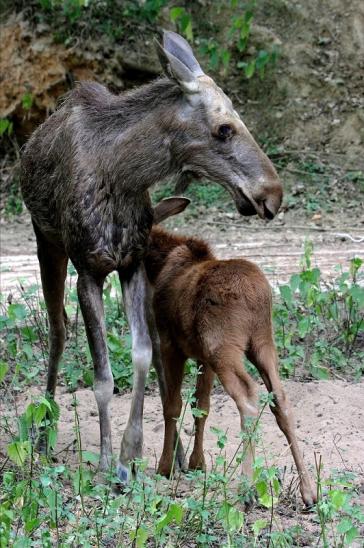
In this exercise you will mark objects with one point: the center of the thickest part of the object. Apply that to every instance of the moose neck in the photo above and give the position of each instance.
(136, 129)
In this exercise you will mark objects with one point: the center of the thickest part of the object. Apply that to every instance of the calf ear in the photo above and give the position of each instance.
(168, 207)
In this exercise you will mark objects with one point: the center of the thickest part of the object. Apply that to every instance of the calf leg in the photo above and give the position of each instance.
(240, 386)
(204, 384)
(135, 293)
(264, 358)
(158, 366)
(173, 362)
(89, 291)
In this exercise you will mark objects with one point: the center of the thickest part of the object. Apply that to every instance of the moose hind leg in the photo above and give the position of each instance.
(265, 358)
(53, 271)
(90, 297)
(135, 294)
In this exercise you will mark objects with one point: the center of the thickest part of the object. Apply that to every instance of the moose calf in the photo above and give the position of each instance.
(214, 311)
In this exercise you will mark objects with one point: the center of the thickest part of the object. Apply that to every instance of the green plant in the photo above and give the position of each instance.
(6, 127)
(338, 514)
(319, 325)
(184, 21)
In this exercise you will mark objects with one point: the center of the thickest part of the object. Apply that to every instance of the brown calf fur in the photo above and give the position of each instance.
(214, 311)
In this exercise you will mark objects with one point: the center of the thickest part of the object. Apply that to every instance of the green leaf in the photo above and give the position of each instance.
(18, 451)
(3, 370)
(28, 351)
(338, 498)
(321, 373)
(40, 412)
(198, 413)
(6, 126)
(267, 500)
(27, 101)
(286, 293)
(303, 327)
(186, 25)
(31, 524)
(52, 438)
(17, 311)
(176, 13)
(250, 69)
(140, 536)
(258, 525)
(345, 525)
(352, 534)
(175, 513)
(89, 456)
(236, 519)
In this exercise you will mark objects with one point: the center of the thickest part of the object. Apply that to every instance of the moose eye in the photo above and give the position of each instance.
(225, 132)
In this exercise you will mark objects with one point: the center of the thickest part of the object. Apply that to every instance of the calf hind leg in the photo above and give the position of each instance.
(173, 362)
(264, 358)
(158, 366)
(204, 384)
(240, 386)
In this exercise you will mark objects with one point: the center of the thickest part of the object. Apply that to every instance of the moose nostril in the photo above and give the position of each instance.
(267, 213)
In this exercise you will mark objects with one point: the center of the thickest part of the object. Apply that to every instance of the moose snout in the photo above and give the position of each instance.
(268, 200)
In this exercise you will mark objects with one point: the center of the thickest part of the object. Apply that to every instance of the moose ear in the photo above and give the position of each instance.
(168, 207)
(178, 61)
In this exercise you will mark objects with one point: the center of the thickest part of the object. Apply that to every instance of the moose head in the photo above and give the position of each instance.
(211, 141)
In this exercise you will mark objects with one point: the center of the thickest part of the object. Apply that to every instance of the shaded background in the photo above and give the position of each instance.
(294, 70)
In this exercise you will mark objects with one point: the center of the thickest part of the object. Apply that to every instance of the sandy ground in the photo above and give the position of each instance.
(329, 416)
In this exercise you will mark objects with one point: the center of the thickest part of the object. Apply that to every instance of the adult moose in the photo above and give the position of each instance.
(85, 178)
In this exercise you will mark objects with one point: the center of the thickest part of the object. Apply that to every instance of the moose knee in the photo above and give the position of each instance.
(142, 356)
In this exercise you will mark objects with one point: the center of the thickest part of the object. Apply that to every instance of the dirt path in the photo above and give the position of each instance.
(276, 248)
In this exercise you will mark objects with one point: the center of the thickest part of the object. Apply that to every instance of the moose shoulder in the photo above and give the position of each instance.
(85, 178)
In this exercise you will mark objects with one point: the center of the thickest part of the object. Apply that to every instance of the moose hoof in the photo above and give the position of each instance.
(123, 473)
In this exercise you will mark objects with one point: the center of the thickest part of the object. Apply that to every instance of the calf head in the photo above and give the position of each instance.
(211, 141)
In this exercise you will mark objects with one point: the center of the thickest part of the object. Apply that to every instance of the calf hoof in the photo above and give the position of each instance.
(309, 498)
(197, 463)
(165, 469)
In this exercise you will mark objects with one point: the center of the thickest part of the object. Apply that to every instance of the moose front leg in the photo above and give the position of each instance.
(89, 291)
(135, 294)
